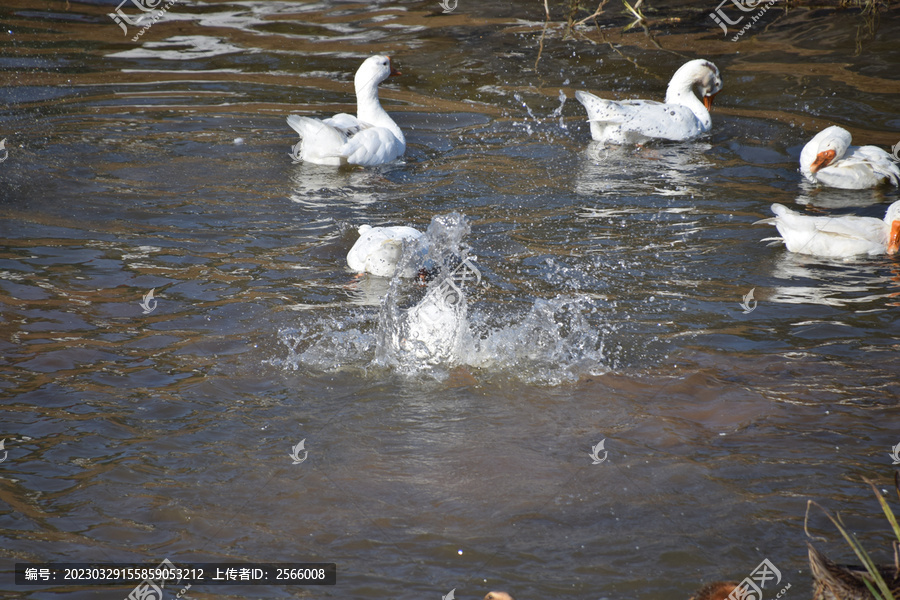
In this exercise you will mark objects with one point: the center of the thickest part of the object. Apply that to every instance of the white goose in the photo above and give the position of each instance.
(370, 138)
(378, 250)
(682, 117)
(837, 237)
(829, 159)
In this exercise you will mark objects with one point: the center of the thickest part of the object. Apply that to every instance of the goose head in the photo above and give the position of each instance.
(827, 146)
(373, 71)
(892, 218)
(498, 596)
(700, 74)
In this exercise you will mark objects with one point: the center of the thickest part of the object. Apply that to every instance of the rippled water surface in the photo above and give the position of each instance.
(608, 307)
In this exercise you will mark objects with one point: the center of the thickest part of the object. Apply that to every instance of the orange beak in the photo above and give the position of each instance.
(394, 72)
(894, 238)
(708, 101)
(823, 159)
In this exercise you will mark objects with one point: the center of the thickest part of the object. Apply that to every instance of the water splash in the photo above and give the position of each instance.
(534, 125)
(530, 112)
(326, 345)
(555, 342)
(557, 112)
(435, 328)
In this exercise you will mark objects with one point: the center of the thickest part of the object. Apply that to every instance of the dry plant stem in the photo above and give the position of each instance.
(594, 16)
(635, 10)
(541, 46)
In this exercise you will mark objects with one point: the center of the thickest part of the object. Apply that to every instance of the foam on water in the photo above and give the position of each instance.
(432, 329)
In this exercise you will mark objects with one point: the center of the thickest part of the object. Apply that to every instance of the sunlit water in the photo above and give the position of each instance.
(608, 305)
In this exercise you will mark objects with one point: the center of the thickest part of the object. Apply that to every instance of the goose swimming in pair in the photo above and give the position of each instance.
(368, 139)
(378, 250)
(830, 160)
(837, 237)
(682, 117)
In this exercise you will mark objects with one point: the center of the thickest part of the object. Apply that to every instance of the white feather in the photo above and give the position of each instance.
(853, 167)
(833, 237)
(378, 250)
(682, 117)
(368, 139)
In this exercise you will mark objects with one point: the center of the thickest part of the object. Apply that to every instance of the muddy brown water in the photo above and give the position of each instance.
(609, 308)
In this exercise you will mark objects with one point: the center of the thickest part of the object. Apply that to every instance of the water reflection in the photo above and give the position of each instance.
(325, 188)
(827, 197)
(180, 47)
(663, 169)
(859, 283)
(368, 290)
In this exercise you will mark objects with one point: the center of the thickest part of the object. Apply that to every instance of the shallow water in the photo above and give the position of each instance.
(609, 306)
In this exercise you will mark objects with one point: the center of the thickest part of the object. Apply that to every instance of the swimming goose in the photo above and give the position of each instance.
(837, 237)
(378, 250)
(829, 159)
(370, 138)
(682, 117)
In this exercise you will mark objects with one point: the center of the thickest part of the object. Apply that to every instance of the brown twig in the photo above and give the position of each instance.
(596, 13)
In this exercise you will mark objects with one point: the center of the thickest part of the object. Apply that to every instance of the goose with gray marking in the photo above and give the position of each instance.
(682, 117)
